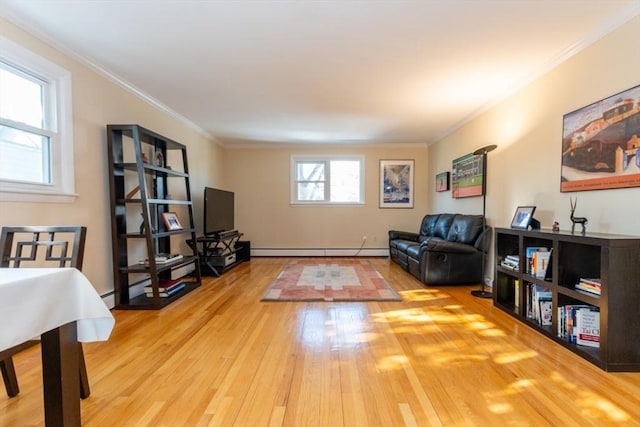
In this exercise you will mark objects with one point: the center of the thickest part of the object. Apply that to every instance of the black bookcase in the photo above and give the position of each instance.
(149, 178)
(613, 259)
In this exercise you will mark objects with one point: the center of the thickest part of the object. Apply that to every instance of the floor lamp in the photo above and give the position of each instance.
(481, 293)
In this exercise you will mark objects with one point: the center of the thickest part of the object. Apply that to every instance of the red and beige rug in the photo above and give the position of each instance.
(330, 280)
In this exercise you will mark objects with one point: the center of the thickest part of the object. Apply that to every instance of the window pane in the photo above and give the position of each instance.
(310, 171)
(21, 99)
(345, 181)
(24, 156)
(311, 191)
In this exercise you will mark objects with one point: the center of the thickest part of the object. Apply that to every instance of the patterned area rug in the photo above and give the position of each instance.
(330, 280)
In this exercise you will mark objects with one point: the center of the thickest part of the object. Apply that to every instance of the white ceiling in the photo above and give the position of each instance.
(330, 71)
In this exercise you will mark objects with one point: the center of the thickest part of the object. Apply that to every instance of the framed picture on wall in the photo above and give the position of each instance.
(467, 176)
(601, 144)
(396, 183)
(442, 181)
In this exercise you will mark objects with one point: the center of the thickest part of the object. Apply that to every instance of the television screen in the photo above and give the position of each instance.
(218, 210)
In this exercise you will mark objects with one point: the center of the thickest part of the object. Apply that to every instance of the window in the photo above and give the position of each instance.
(36, 144)
(327, 180)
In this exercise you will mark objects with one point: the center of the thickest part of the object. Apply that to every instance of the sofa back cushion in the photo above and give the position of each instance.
(427, 227)
(442, 226)
(465, 229)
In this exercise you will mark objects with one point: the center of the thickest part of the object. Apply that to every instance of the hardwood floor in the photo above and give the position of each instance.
(221, 357)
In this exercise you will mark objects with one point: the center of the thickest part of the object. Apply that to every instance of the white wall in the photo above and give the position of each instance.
(527, 127)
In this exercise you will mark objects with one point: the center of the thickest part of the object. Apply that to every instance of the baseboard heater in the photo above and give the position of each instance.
(319, 252)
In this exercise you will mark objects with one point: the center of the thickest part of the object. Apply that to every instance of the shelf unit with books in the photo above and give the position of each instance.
(151, 217)
(609, 334)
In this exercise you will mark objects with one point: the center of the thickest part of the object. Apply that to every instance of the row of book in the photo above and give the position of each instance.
(538, 304)
(589, 286)
(579, 324)
(537, 262)
(166, 287)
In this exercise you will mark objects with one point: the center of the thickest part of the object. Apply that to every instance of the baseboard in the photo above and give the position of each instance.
(319, 252)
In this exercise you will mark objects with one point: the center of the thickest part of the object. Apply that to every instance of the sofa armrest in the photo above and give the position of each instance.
(448, 247)
(403, 235)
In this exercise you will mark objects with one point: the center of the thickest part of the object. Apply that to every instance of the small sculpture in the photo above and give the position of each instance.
(555, 226)
(576, 219)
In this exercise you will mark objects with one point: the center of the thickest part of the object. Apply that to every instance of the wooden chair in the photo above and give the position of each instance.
(40, 246)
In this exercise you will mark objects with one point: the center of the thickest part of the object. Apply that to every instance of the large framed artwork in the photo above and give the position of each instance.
(467, 176)
(601, 144)
(396, 183)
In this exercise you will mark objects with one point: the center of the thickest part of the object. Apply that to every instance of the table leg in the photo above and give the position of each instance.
(60, 375)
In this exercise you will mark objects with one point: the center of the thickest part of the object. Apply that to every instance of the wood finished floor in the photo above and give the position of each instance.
(220, 357)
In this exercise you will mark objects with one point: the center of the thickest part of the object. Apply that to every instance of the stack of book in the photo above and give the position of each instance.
(162, 258)
(512, 262)
(589, 286)
(579, 324)
(166, 287)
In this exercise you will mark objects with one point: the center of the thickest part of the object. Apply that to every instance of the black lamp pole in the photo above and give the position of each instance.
(481, 293)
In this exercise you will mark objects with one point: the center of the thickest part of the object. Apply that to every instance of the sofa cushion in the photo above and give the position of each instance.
(442, 225)
(465, 229)
(404, 245)
(427, 227)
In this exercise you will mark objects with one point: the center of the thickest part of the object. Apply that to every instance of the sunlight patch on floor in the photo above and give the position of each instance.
(513, 357)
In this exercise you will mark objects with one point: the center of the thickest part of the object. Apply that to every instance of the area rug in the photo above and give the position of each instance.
(330, 280)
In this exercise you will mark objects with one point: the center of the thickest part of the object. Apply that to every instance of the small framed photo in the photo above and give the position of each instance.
(171, 221)
(523, 216)
(396, 183)
(442, 181)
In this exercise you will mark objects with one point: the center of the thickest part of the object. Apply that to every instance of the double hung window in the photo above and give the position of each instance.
(36, 145)
(327, 180)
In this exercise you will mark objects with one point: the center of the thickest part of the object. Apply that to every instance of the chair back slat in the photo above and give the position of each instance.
(42, 246)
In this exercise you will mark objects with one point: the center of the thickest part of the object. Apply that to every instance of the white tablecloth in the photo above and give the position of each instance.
(37, 300)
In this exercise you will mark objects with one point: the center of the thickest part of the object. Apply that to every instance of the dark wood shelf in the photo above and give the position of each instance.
(615, 259)
(127, 146)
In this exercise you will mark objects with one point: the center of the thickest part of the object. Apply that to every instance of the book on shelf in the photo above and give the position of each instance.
(541, 263)
(568, 320)
(516, 293)
(588, 327)
(168, 293)
(589, 286)
(512, 262)
(535, 295)
(164, 285)
(162, 258)
(530, 253)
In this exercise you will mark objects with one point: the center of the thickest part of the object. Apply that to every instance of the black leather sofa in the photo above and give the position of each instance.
(446, 250)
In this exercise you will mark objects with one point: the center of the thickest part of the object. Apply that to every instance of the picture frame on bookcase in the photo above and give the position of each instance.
(171, 221)
(522, 217)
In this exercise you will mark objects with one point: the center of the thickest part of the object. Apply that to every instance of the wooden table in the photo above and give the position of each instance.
(62, 307)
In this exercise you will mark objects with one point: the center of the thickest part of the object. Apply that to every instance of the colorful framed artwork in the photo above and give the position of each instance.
(396, 183)
(601, 144)
(442, 181)
(467, 176)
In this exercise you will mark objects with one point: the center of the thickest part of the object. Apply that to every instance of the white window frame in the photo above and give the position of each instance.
(59, 111)
(295, 159)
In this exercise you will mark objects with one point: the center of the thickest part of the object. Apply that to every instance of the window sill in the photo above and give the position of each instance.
(37, 197)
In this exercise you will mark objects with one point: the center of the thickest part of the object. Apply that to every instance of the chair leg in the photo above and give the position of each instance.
(85, 391)
(9, 377)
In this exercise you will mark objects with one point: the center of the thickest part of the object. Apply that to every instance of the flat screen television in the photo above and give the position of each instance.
(218, 210)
